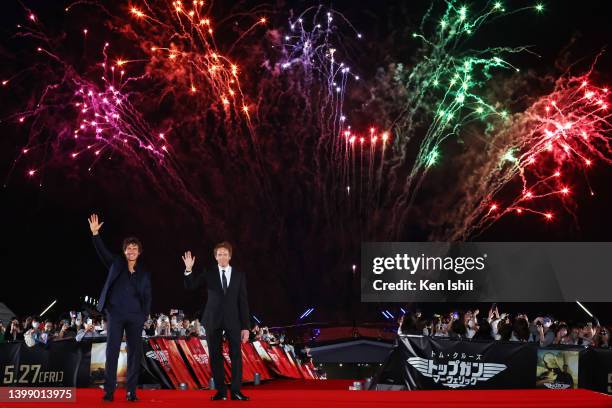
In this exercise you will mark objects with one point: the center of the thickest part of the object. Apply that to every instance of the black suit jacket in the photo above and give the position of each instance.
(230, 311)
(116, 265)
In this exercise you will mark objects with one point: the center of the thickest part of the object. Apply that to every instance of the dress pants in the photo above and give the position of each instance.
(214, 337)
(116, 323)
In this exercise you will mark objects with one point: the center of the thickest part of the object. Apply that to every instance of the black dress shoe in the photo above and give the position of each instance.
(108, 397)
(131, 396)
(239, 396)
(219, 396)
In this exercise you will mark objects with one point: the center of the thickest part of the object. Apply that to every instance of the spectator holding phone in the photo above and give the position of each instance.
(48, 331)
(66, 331)
(543, 335)
(587, 335)
(35, 334)
(88, 331)
(15, 332)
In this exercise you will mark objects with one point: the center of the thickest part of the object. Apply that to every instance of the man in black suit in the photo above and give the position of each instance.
(227, 309)
(126, 300)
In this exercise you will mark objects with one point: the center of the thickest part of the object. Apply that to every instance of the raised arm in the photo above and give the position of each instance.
(191, 282)
(105, 255)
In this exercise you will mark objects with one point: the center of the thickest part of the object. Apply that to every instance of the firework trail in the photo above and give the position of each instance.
(535, 161)
(202, 83)
(95, 122)
(444, 92)
(97, 113)
(311, 75)
(446, 95)
(180, 49)
(165, 104)
(180, 100)
(265, 138)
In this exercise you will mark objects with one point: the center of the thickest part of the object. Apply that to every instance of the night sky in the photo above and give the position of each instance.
(293, 256)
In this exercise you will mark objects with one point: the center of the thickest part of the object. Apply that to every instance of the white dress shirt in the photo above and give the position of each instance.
(228, 274)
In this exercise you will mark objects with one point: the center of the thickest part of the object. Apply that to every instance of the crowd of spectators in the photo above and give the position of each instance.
(470, 324)
(83, 325)
(265, 334)
(35, 330)
(90, 325)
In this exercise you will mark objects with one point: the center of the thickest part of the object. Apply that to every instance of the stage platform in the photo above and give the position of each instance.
(335, 393)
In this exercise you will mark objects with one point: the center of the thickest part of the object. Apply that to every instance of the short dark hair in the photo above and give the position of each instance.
(225, 245)
(132, 241)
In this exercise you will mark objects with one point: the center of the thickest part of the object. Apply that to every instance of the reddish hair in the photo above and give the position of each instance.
(225, 245)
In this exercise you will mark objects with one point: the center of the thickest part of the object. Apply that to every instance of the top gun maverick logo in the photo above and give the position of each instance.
(460, 369)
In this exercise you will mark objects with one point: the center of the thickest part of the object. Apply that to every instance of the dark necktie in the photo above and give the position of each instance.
(224, 281)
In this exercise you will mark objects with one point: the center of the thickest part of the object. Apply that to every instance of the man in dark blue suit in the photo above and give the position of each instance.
(226, 312)
(126, 300)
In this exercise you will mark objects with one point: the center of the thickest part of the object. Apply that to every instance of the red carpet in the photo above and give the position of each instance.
(334, 393)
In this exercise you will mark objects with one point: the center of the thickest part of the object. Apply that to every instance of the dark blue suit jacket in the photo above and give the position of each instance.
(116, 265)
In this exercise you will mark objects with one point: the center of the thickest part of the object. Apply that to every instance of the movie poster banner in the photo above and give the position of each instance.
(425, 363)
(153, 367)
(170, 362)
(557, 369)
(167, 353)
(196, 353)
(259, 366)
(57, 364)
(98, 362)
